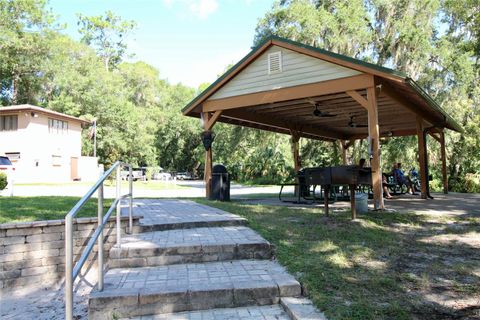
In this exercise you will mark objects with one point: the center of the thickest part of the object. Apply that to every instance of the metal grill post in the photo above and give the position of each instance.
(130, 204)
(119, 229)
(100, 238)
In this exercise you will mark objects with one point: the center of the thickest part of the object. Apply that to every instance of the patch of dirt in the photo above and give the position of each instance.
(440, 267)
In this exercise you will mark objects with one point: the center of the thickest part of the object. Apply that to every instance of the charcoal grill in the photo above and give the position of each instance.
(338, 175)
(351, 175)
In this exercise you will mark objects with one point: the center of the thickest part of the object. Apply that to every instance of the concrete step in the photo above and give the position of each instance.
(189, 287)
(290, 308)
(244, 313)
(188, 246)
(159, 214)
(299, 308)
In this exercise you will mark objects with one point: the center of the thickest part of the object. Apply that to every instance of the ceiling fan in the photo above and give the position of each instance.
(320, 113)
(353, 124)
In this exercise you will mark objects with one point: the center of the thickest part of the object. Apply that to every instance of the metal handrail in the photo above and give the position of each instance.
(71, 271)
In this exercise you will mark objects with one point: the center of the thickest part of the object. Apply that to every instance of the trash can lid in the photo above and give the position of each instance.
(219, 168)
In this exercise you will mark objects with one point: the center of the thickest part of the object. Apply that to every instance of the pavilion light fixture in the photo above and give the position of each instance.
(207, 139)
(353, 124)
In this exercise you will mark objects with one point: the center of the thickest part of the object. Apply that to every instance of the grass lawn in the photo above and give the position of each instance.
(22, 209)
(149, 185)
(382, 266)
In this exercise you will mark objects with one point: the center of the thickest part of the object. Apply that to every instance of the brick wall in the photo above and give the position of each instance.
(34, 252)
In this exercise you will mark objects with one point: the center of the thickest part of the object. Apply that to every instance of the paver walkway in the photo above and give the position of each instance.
(186, 261)
(190, 261)
(160, 214)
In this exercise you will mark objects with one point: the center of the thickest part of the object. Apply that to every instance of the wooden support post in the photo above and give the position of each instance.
(209, 120)
(421, 157)
(208, 173)
(296, 158)
(374, 133)
(444, 162)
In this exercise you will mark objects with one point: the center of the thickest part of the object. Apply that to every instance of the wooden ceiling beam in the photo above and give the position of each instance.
(212, 119)
(389, 91)
(302, 101)
(327, 104)
(237, 122)
(326, 132)
(359, 98)
(334, 107)
(391, 133)
(290, 93)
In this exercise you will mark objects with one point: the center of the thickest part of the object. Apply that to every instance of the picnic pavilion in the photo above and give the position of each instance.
(288, 87)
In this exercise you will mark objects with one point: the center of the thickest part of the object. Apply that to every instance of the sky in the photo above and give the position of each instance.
(188, 41)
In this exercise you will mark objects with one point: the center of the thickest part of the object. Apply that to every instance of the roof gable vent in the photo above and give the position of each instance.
(274, 62)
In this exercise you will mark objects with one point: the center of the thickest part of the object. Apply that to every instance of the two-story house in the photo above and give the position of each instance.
(44, 145)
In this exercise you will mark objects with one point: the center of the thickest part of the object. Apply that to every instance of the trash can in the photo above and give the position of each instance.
(361, 202)
(220, 183)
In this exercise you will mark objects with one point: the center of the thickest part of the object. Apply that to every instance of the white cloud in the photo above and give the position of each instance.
(199, 8)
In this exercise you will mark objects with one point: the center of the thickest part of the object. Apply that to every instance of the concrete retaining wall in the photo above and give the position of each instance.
(34, 252)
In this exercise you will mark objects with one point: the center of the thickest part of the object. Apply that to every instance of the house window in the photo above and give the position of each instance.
(57, 126)
(13, 156)
(8, 123)
(56, 161)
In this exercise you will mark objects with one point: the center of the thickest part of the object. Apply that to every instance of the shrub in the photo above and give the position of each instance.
(3, 180)
(472, 183)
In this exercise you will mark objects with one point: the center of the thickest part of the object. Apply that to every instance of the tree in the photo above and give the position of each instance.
(107, 34)
(341, 26)
(25, 32)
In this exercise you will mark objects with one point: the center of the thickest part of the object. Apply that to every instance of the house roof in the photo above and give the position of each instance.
(403, 91)
(32, 108)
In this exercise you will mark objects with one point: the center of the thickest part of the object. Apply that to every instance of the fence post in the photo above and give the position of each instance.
(130, 205)
(119, 227)
(100, 238)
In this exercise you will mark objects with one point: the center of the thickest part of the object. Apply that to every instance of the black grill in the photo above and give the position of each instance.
(351, 175)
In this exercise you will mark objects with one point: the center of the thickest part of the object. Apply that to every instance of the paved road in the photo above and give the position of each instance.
(192, 189)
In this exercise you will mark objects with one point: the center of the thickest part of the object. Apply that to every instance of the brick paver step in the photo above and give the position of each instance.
(189, 287)
(245, 313)
(168, 214)
(189, 245)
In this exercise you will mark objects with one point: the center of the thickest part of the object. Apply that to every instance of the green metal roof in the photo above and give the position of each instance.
(449, 121)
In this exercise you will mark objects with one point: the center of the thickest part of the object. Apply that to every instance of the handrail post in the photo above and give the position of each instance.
(100, 238)
(119, 229)
(72, 269)
(68, 268)
(130, 205)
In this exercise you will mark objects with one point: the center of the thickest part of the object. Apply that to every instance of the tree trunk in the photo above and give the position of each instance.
(15, 80)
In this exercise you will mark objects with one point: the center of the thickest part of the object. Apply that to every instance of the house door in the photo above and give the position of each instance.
(74, 168)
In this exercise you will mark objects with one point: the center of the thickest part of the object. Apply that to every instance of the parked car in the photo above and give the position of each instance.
(137, 174)
(6, 165)
(184, 176)
(162, 176)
